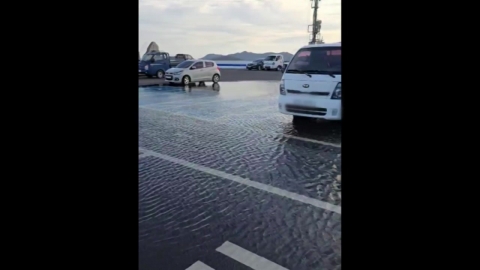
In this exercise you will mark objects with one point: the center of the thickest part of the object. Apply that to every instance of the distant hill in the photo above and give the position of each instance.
(226, 57)
(245, 56)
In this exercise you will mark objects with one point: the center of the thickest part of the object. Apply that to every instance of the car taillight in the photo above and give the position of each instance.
(218, 69)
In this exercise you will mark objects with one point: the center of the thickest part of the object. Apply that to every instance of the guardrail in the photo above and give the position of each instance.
(233, 64)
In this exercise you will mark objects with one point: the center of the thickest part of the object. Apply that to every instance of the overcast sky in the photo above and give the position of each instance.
(200, 27)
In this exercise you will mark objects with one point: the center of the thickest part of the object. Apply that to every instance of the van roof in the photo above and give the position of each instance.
(336, 44)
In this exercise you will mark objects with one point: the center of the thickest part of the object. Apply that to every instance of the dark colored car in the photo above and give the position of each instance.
(257, 64)
(179, 58)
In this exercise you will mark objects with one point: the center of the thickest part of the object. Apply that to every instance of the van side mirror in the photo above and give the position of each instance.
(193, 67)
(152, 60)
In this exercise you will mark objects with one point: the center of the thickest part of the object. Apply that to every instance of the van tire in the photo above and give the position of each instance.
(279, 68)
(300, 119)
(215, 78)
(160, 74)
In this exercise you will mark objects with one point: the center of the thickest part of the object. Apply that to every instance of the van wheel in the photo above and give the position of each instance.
(216, 78)
(300, 119)
(279, 68)
(160, 74)
(186, 80)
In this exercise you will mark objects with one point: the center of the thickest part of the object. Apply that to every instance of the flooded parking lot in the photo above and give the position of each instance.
(227, 182)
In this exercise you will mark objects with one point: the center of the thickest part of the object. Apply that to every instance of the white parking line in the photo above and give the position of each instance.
(179, 103)
(312, 140)
(223, 123)
(198, 265)
(143, 155)
(248, 258)
(171, 113)
(247, 182)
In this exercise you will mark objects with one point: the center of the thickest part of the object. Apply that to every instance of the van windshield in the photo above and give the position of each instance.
(184, 64)
(317, 60)
(270, 58)
(147, 57)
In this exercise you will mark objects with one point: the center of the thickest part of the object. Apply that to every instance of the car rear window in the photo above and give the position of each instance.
(209, 64)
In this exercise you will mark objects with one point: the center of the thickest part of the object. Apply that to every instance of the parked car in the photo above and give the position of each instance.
(192, 71)
(273, 62)
(311, 86)
(180, 57)
(257, 64)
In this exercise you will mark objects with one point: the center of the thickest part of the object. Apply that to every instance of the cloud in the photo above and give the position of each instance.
(199, 27)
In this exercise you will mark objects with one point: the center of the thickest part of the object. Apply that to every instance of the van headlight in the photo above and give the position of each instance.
(337, 93)
(146, 67)
(282, 88)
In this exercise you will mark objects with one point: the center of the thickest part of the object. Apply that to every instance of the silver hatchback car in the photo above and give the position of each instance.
(192, 71)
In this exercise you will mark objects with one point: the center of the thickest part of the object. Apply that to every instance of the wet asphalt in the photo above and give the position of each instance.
(218, 164)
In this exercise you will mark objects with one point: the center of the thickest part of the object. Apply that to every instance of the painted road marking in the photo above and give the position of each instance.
(143, 155)
(198, 265)
(312, 140)
(248, 258)
(171, 113)
(228, 124)
(247, 182)
(179, 103)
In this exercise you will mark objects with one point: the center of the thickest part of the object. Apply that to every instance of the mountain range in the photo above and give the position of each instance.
(244, 56)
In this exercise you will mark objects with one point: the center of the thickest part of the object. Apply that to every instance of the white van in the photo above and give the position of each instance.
(273, 62)
(311, 86)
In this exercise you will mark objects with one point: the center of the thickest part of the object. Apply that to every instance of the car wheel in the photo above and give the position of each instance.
(249, 68)
(160, 74)
(186, 80)
(216, 78)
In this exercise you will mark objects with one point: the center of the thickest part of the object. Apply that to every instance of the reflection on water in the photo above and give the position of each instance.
(188, 88)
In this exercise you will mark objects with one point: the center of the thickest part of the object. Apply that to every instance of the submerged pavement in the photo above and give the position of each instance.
(227, 182)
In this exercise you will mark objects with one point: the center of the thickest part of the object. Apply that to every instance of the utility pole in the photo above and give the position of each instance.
(316, 25)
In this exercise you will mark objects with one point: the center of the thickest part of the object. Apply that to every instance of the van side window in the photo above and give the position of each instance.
(198, 65)
(208, 64)
(159, 57)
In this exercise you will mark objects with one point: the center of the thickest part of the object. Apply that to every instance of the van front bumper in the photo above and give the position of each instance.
(328, 109)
